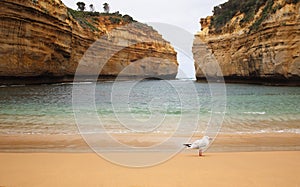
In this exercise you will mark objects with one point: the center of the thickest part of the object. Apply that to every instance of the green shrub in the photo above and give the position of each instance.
(226, 11)
(115, 20)
(83, 18)
(128, 19)
(265, 13)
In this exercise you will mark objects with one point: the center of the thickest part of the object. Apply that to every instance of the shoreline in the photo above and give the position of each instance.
(76, 143)
(265, 81)
(47, 79)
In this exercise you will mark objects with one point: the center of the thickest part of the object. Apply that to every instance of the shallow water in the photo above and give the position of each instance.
(148, 106)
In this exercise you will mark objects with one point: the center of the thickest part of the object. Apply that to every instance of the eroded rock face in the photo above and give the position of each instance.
(41, 39)
(269, 54)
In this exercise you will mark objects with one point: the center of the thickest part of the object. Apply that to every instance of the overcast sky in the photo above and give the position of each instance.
(183, 14)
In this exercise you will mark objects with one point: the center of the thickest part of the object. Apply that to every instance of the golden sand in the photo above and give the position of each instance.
(216, 168)
(186, 169)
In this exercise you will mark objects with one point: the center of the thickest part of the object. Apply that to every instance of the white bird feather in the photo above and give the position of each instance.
(200, 144)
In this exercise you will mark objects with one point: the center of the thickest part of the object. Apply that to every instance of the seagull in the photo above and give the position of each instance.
(199, 144)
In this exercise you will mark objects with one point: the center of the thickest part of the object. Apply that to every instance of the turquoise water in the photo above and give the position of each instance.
(155, 106)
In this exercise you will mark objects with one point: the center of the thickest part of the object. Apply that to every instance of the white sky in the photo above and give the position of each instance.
(183, 14)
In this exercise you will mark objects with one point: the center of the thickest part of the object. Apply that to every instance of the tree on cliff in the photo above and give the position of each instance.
(106, 7)
(92, 9)
(81, 6)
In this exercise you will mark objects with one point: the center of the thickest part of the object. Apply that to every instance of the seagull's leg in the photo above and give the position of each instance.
(200, 152)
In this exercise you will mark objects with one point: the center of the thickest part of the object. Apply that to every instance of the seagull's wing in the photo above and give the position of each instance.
(198, 144)
(203, 143)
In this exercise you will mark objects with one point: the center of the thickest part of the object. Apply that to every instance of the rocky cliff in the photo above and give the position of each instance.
(43, 41)
(262, 46)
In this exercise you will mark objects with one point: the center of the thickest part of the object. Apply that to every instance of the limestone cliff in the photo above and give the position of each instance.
(43, 40)
(264, 48)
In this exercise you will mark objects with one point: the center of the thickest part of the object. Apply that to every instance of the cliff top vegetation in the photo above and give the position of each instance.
(225, 12)
(90, 19)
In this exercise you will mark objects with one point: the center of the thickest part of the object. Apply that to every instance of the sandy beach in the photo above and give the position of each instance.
(186, 169)
(24, 162)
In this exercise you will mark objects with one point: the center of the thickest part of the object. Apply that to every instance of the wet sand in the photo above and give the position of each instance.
(223, 142)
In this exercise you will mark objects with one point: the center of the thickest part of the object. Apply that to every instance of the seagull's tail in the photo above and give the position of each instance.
(188, 145)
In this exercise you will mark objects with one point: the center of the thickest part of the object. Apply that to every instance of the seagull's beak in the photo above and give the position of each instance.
(210, 139)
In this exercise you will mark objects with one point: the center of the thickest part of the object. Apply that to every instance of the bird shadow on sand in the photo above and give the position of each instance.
(197, 156)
